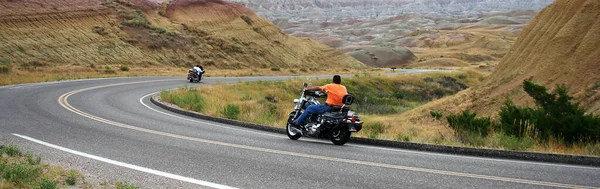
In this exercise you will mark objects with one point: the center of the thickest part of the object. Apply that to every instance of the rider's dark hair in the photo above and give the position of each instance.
(197, 65)
(337, 79)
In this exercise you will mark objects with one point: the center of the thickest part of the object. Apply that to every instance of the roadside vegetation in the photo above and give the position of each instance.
(555, 126)
(554, 122)
(18, 170)
(377, 99)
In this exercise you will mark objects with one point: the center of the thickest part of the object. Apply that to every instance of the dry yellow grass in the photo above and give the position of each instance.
(252, 100)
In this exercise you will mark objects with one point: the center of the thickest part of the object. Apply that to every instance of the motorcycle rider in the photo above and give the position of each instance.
(199, 71)
(335, 93)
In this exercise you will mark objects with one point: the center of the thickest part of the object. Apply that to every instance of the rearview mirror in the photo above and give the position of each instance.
(305, 85)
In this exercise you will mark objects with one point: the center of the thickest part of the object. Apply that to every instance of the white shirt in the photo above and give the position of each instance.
(198, 69)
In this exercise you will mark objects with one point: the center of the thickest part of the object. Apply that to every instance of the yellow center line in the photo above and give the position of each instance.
(63, 101)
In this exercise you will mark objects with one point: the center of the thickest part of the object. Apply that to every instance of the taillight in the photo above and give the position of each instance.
(361, 123)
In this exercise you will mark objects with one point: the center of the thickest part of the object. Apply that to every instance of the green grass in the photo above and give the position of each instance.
(231, 111)
(185, 98)
(125, 185)
(374, 128)
(27, 171)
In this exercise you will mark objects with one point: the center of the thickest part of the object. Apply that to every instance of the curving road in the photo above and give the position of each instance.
(109, 129)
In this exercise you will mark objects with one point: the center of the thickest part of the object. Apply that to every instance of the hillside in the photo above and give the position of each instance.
(95, 36)
(558, 47)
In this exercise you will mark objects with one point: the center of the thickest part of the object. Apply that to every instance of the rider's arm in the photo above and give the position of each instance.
(315, 88)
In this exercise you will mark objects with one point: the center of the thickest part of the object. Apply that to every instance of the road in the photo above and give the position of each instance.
(109, 129)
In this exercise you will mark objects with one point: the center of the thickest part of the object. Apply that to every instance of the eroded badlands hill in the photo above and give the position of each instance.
(558, 47)
(72, 35)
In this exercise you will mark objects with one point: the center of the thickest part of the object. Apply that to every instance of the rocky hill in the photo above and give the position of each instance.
(320, 10)
(78, 33)
(558, 47)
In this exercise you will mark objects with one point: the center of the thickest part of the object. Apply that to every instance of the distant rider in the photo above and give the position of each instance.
(199, 71)
(335, 93)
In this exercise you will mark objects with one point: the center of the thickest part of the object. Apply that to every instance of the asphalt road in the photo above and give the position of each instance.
(108, 129)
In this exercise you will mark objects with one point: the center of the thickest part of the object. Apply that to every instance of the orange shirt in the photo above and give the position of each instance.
(335, 93)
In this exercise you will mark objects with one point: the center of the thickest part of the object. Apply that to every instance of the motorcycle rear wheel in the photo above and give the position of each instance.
(292, 132)
(340, 136)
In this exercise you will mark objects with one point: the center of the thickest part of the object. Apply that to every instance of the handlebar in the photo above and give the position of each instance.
(315, 93)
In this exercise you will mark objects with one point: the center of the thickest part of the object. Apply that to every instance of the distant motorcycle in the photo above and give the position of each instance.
(194, 76)
(338, 124)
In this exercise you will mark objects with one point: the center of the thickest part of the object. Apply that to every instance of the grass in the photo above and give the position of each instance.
(256, 100)
(18, 170)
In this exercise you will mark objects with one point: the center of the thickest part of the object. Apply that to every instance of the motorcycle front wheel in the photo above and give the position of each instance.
(292, 132)
(340, 135)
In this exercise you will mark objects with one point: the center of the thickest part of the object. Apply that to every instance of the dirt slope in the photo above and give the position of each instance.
(559, 46)
(180, 33)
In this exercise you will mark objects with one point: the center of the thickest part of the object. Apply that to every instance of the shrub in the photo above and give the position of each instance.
(124, 68)
(21, 173)
(10, 150)
(467, 123)
(5, 69)
(517, 121)
(109, 71)
(247, 19)
(231, 111)
(276, 69)
(256, 29)
(555, 116)
(47, 184)
(71, 178)
(125, 185)
(303, 70)
(292, 71)
(437, 115)
(33, 160)
(99, 30)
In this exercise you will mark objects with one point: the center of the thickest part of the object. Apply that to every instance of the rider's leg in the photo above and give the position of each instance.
(312, 109)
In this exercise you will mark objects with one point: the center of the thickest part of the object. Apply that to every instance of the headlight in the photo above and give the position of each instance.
(296, 101)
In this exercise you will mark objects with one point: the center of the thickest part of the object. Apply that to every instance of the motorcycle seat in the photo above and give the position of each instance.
(334, 115)
(338, 108)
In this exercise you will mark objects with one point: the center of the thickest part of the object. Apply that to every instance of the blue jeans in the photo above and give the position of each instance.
(312, 109)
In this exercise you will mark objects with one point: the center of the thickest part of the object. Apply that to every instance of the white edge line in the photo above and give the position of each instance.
(126, 165)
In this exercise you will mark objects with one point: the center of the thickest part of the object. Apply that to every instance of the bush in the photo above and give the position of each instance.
(109, 71)
(71, 178)
(555, 116)
(124, 68)
(276, 69)
(10, 150)
(47, 184)
(33, 160)
(247, 19)
(303, 70)
(21, 173)
(231, 111)
(437, 115)
(467, 123)
(5, 69)
(125, 185)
